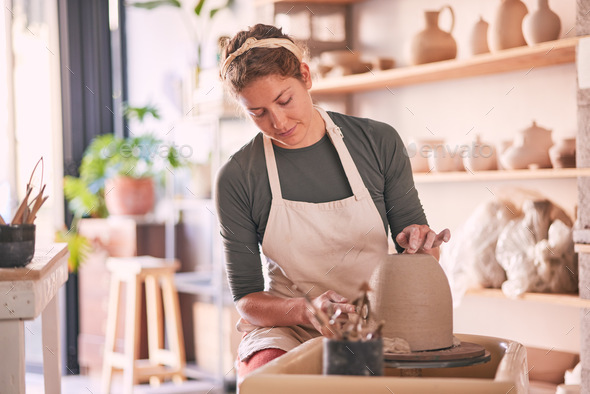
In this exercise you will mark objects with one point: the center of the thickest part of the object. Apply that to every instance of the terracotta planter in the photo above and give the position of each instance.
(434, 44)
(129, 196)
(506, 29)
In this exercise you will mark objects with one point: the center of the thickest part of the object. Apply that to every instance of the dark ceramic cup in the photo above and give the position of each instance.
(353, 357)
(17, 245)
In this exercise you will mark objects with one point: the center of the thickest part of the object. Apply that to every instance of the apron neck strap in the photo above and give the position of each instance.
(335, 134)
(271, 167)
(354, 177)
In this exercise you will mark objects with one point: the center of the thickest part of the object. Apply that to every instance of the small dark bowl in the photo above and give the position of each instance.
(17, 245)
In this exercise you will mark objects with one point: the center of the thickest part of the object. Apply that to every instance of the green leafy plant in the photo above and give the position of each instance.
(108, 156)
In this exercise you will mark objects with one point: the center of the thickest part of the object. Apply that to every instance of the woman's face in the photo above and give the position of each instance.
(282, 109)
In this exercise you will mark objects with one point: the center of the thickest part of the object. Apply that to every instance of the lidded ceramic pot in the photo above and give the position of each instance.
(478, 42)
(529, 149)
(506, 29)
(480, 156)
(541, 25)
(412, 294)
(433, 44)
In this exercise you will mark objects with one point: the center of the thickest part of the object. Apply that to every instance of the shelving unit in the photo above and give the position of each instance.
(502, 175)
(558, 299)
(262, 2)
(522, 58)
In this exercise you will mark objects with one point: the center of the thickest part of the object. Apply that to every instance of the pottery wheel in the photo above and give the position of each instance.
(467, 353)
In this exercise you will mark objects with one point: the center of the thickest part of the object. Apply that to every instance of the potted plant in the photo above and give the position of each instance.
(117, 174)
(117, 177)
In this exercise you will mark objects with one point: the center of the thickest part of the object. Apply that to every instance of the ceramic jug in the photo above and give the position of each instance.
(506, 29)
(478, 42)
(433, 44)
(541, 25)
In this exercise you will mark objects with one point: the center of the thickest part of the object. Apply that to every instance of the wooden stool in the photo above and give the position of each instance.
(162, 363)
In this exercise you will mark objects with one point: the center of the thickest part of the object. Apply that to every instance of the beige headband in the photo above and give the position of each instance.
(264, 43)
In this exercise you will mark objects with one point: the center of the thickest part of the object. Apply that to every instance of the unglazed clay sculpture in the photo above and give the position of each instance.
(434, 44)
(412, 294)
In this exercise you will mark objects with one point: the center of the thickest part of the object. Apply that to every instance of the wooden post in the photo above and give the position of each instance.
(582, 232)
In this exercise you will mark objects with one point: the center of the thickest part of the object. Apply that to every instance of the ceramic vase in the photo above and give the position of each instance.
(433, 44)
(506, 29)
(541, 25)
(563, 153)
(478, 42)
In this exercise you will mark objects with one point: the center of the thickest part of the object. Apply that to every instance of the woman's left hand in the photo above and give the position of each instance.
(420, 238)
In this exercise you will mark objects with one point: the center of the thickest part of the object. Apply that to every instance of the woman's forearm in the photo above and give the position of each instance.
(266, 310)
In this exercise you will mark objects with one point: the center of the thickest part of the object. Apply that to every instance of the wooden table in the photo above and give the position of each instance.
(25, 293)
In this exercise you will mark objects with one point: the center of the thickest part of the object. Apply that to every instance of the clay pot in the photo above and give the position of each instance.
(17, 245)
(480, 156)
(419, 151)
(506, 29)
(478, 42)
(563, 153)
(433, 44)
(447, 157)
(541, 25)
(129, 196)
(412, 294)
(529, 150)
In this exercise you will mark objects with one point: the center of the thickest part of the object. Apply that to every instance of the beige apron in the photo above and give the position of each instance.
(334, 245)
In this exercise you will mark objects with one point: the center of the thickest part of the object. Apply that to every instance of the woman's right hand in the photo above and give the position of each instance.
(328, 303)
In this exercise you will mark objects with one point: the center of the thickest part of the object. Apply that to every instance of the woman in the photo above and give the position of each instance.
(317, 190)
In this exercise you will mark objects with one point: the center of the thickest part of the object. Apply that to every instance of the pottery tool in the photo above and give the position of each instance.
(22, 211)
(322, 319)
(26, 212)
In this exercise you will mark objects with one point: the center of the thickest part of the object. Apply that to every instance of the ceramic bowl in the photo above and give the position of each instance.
(343, 58)
(17, 245)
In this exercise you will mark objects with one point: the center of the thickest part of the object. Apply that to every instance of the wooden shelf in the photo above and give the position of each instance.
(572, 300)
(503, 175)
(526, 57)
(582, 248)
(262, 2)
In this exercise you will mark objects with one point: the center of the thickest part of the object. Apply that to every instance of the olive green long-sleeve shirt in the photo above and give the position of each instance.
(311, 174)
